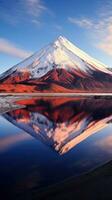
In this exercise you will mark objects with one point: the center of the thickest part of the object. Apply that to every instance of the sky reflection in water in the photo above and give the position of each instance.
(52, 139)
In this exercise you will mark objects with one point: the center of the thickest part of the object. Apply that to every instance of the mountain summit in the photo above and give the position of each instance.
(58, 67)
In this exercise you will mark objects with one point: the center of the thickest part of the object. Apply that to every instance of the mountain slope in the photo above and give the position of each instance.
(60, 64)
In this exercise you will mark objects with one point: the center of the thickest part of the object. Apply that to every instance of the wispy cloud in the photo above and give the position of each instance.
(27, 10)
(9, 48)
(35, 7)
(100, 28)
(58, 27)
(105, 37)
(83, 22)
(36, 22)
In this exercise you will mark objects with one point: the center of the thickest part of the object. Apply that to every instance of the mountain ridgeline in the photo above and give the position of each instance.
(59, 67)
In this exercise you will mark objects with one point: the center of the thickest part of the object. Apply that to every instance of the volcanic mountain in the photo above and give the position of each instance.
(59, 67)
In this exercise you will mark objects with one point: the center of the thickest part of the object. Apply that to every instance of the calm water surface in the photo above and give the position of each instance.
(52, 139)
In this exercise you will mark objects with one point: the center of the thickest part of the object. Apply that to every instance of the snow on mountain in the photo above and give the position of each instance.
(59, 54)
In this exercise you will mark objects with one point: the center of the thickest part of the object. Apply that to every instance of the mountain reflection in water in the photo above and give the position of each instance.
(62, 123)
(52, 139)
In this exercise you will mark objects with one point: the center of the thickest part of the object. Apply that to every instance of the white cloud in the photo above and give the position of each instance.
(9, 48)
(100, 28)
(58, 27)
(27, 11)
(83, 22)
(35, 7)
(105, 43)
(36, 22)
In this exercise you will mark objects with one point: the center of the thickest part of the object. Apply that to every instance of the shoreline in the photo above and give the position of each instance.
(55, 94)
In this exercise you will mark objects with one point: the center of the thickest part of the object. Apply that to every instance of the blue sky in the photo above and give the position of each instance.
(26, 26)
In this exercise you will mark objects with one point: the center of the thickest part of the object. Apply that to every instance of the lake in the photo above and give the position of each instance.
(46, 140)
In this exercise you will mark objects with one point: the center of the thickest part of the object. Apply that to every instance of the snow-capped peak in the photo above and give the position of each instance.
(59, 54)
(62, 41)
